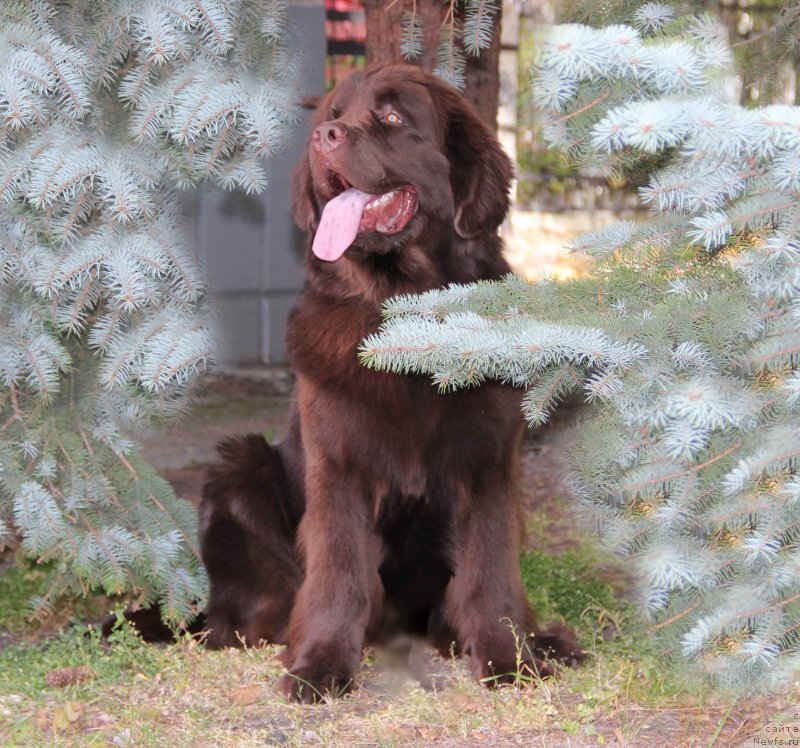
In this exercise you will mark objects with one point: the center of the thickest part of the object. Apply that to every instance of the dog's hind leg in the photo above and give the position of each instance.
(249, 515)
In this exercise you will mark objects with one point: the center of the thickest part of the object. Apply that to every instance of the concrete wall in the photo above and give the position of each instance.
(249, 244)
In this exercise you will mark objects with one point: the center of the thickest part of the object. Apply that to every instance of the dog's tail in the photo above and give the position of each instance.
(248, 525)
(249, 481)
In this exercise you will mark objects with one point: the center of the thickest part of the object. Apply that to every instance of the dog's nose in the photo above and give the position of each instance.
(328, 137)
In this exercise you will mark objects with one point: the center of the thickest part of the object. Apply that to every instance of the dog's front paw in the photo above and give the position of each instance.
(307, 686)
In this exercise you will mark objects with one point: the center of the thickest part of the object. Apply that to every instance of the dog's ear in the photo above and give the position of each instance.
(304, 207)
(480, 171)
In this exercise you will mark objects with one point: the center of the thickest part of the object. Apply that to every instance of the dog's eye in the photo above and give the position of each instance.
(393, 118)
(335, 112)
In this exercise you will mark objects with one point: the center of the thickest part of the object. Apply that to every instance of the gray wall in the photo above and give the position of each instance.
(249, 244)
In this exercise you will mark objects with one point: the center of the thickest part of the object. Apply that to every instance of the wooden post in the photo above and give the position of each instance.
(384, 26)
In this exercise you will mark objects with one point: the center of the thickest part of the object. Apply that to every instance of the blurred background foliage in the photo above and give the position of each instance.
(765, 36)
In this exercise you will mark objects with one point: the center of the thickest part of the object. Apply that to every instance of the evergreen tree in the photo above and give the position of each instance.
(107, 110)
(685, 337)
(765, 36)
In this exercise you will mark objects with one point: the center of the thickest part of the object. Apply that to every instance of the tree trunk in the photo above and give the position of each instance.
(483, 76)
(384, 27)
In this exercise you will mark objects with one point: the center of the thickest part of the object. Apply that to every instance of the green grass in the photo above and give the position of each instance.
(23, 666)
(566, 586)
(21, 582)
(574, 587)
(142, 695)
(18, 584)
(216, 410)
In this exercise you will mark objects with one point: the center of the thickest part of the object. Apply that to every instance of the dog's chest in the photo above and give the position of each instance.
(398, 428)
(323, 339)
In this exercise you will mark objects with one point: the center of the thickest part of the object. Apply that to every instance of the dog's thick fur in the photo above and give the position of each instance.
(388, 507)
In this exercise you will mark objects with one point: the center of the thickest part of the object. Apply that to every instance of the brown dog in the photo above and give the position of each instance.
(388, 508)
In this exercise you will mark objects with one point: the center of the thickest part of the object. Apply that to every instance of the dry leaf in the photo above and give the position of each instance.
(66, 714)
(245, 695)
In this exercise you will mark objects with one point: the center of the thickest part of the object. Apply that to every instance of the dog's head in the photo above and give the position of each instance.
(395, 154)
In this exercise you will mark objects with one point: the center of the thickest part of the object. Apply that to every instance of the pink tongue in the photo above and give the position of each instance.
(339, 224)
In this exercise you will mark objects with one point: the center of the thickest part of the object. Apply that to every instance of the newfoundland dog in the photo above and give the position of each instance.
(388, 508)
